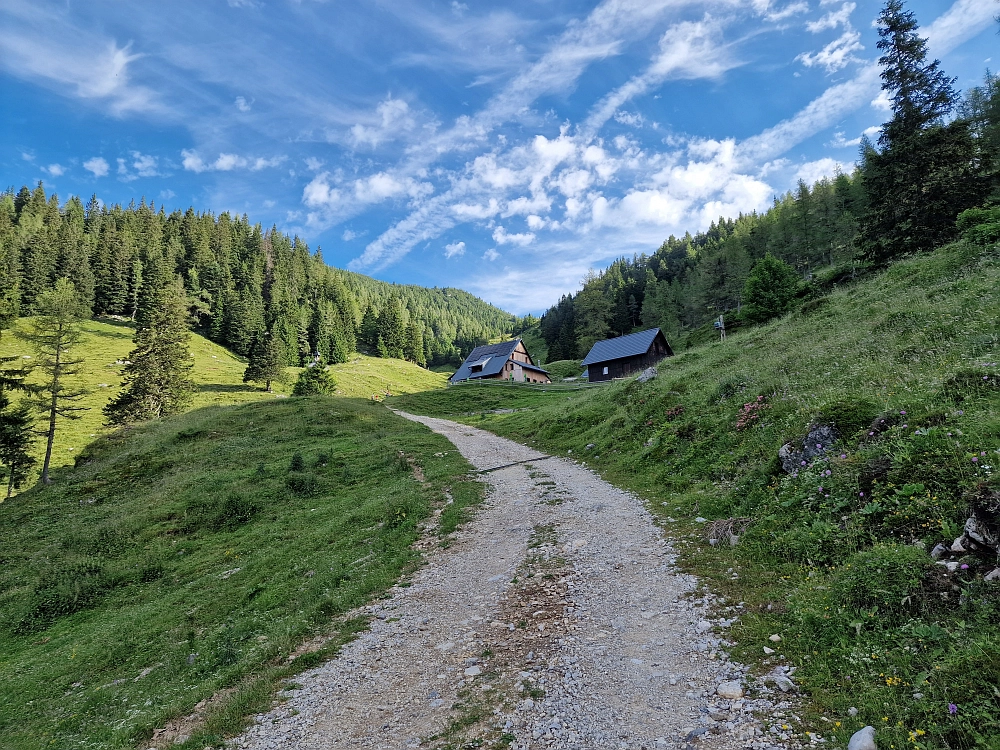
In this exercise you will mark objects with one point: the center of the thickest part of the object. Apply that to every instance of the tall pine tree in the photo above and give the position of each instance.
(267, 364)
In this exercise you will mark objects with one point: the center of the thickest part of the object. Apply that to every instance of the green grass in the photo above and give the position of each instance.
(217, 372)
(865, 616)
(564, 368)
(193, 554)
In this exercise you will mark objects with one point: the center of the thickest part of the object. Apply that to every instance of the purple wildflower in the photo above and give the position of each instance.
(952, 709)
(819, 446)
(803, 463)
(964, 566)
(975, 459)
(843, 455)
(861, 494)
(902, 412)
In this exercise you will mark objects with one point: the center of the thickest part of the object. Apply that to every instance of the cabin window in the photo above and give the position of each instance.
(605, 370)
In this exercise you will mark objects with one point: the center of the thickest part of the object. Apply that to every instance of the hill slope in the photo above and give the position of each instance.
(196, 553)
(904, 366)
(217, 372)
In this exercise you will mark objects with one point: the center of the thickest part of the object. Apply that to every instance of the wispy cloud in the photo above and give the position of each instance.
(136, 166)
(833, 19)
(454, 249)
(193, 162)
(39, 43)
(835, 55)
(54, 170)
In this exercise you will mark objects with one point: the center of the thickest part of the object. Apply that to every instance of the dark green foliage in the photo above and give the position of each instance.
(16, 440)
(769, 289)
(926, 172)
(157, 381)
(315, 380)
(298, 463)
(980, 226)
(267, 362)
(240, 280)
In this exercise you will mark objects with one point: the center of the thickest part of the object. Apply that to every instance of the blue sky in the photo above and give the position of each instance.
(505, 148)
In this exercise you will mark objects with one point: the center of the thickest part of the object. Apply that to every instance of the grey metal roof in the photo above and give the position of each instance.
(635, 344)
(493, 358)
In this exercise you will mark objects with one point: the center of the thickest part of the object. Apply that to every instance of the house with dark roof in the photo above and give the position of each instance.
(624, 355)
(506, 361)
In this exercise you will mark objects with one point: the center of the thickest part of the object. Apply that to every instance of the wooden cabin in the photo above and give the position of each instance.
(622, 356)
(506, 361)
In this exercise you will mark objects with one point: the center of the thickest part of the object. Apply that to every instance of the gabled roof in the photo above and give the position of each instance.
(633, 345)
(492, 357)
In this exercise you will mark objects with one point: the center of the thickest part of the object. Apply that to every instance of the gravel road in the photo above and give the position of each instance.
(555, 619)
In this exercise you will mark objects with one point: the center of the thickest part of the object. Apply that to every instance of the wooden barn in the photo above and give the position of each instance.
(622, 356)
(506, 361)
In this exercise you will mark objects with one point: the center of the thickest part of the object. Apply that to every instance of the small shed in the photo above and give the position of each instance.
(507, 361)
(622, 356)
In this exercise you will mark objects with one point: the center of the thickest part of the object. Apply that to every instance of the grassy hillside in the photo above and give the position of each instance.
(905, 366)
(218, 374)
(564, 368)
(195, 554)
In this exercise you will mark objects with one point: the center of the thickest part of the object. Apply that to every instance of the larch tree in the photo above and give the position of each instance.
(157, 379)
(53, 333)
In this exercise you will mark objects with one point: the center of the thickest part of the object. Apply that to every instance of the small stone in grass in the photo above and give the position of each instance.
(768, 651)
(774, 638)
(863, 739)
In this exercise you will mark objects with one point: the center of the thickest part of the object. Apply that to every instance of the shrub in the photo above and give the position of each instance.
(315, 381)
(63, 588)
(980, 226)
(302, 483)
(886, 578)
(849, 416)
(769, 289)
(298, 463)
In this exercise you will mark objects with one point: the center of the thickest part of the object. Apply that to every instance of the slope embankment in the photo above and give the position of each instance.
(210, 554)
(830, 548)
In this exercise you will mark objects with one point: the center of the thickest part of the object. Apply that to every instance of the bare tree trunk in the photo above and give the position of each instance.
(50, 438)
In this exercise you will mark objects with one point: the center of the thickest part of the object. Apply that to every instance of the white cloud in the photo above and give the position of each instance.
(97, 165)
(962, 21)
(839, 141)
(792, 9)
(166, 195)
(458, 8)
(192, 161)
(501, 237)
(54, 170)
(140, 165)
(454, 249)
(349, 234)
(687, 50)
(392, 119)
(814, 171)
(491, 255)
(833, 19)
(882, 102)
(632, 119)
(242, 104)
(835, 55)
(313, 164)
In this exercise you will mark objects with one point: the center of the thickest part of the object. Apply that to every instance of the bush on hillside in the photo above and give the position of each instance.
(848, 415)
(769, 289)
(980, 226)
(886, 578)
(315, 380)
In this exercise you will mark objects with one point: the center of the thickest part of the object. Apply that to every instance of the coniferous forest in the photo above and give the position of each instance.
(938, 156)
(241, 282)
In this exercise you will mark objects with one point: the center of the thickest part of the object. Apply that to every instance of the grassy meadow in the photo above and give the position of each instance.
(217, 372)
(194, 554)
(905, 365)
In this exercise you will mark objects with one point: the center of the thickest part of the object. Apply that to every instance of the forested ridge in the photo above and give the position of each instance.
(241, 281)
(938, 155)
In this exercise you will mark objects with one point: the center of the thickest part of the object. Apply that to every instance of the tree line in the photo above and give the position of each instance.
(937, 157)
(242, 284)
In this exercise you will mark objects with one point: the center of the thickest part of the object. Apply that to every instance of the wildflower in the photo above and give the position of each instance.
(819, 446)
(828, 472)
(902, 412)
(803, 463)
(964, 566)
(871, 433)
(843, 455)
(821, 489)
(975, 459)
(861, 494)
(952, 709)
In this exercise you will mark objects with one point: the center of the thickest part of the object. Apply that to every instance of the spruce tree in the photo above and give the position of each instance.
(157, 380)
(315, 380)
(925, 172)
(391, 329)
(53, 332)
(266, 363)
(16, 439)
(769, 289)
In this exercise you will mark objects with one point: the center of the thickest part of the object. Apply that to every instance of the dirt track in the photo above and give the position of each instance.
(554, 619)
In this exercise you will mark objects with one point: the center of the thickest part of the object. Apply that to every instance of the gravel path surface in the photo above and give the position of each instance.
(555, 619)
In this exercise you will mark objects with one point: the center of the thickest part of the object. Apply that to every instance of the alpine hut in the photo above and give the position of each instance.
(506, 361)
(621, 356)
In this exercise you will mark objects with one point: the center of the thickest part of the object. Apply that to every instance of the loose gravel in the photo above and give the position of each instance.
(555, 619)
